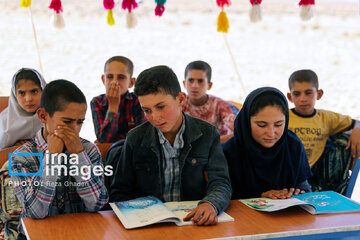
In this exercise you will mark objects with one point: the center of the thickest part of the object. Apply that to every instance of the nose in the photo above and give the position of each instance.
(302, 97)
(270, 131)
(28, 97)
(155, 116)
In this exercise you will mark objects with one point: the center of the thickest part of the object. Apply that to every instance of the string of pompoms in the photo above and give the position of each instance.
(222, 21)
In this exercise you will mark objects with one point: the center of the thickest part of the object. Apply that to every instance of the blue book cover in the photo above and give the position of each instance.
(327, 202)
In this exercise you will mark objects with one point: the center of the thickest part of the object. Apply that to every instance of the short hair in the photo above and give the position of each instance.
(199, 65)
(305, 75)
(27, 74)
(157, 79)
(58, 93)
(123, 60)
(268, 99)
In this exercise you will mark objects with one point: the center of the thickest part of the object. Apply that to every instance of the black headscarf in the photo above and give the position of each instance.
(255, 169)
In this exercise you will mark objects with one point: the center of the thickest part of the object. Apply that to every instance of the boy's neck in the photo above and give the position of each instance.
(303, 115)
(170, 136)
(199, 102)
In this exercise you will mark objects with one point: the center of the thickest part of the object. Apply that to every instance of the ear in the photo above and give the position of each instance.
(132, 82)
(210, 84)
(320, 93)
(182, 98)
(289, 97)
(103, 78)
(42, 115)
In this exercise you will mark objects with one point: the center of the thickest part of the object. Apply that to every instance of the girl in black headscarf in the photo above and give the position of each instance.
(265, 158)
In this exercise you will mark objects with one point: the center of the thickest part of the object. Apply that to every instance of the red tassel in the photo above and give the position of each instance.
(129, 4)
(159, 10)
(56, 6)
(222, 3)
(258, 2)
(109, 4)
(307, 2)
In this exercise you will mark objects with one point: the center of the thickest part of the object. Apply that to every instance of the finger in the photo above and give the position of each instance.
(290, 193)
(348, 144)
(302, 191)
(189, 216)
(203, 218)
(211, 220)
(198, 214)
(297, 191)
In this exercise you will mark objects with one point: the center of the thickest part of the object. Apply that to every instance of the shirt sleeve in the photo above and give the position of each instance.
(35, 193)
(106, 126)
(91, 187)
(339, 123)
(227, 117)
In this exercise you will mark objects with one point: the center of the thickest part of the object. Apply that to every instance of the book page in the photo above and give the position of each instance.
(142, 211)
(182, 209)
(270, 205)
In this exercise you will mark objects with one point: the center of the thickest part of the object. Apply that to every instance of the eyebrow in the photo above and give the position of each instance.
(267, 122)
(72, 119)
(159, 103)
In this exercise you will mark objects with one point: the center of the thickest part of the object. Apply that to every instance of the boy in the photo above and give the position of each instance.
(117, 111)
(205, 106)
(57, 190)
(314, 126)
(178, 151)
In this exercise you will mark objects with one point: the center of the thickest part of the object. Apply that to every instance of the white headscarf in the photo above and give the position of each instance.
(16, 123)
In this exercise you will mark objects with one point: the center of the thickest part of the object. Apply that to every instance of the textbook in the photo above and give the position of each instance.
(144, 211)
(313, 202)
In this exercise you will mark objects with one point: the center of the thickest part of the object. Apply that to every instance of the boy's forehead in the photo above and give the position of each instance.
(154, 99)
(73, 111)
(116, 66)
(298, 86)
(196, 72)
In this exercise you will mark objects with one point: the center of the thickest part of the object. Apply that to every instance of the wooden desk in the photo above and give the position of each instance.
(105, 225)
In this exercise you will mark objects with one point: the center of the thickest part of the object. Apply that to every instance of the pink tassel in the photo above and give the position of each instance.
(258, 2)
(129, 4)
(307, 2)
(222, 3)
(56, 6)
(109, 4)
(159, 10)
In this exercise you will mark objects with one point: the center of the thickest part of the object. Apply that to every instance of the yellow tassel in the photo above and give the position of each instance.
(25, 3)
(110, 18)
(222, 22)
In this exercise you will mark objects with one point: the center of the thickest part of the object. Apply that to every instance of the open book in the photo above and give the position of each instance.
(313, 202)
(144, 211)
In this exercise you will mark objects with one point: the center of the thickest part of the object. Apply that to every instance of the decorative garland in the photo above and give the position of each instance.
(222, 21)
(306, 9)
(159, 10)
(130, 18)
(57, 20)
(255, 12)
(109, 5)
(25, 3)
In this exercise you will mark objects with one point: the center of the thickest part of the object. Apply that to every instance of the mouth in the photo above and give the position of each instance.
(30, 106)
(269, 140)
(160, 125)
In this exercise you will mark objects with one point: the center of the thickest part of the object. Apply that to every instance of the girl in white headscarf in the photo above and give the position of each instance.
(19, 121)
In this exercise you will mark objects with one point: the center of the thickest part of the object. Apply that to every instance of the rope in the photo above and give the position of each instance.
(231, 55)
(36, 42)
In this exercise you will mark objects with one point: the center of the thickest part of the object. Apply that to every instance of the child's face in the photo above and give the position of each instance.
(196, 84)
(28, 95)
(163, 111)
(267, 126)
(72, 116)
(304, 95)
(117, 74)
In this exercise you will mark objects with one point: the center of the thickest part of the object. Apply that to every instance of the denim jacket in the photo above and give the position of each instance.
(139, 173)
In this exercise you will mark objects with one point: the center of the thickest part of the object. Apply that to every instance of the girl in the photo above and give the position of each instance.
(19, 122)
(265, 158)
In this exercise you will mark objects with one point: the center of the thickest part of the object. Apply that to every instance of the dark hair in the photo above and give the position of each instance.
(199, 65)
(268, 99)
(58, 93)
(27, 74)
(155, 80)
(305, 75)
(123, 60)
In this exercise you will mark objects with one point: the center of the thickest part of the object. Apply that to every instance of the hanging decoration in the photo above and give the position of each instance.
(57, 20)
(306, 9)
(222, 21)
(25, 3)
(130, 18)
(109, 5)
(160, 8)
(255, 11)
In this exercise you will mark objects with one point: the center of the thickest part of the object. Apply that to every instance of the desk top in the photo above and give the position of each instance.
(105, 225)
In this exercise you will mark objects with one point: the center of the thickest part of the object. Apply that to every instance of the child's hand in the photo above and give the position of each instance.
(71, 139)
(282, 194)
(203, 214)
(114, 96)
(55, 144)
(354, 143)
